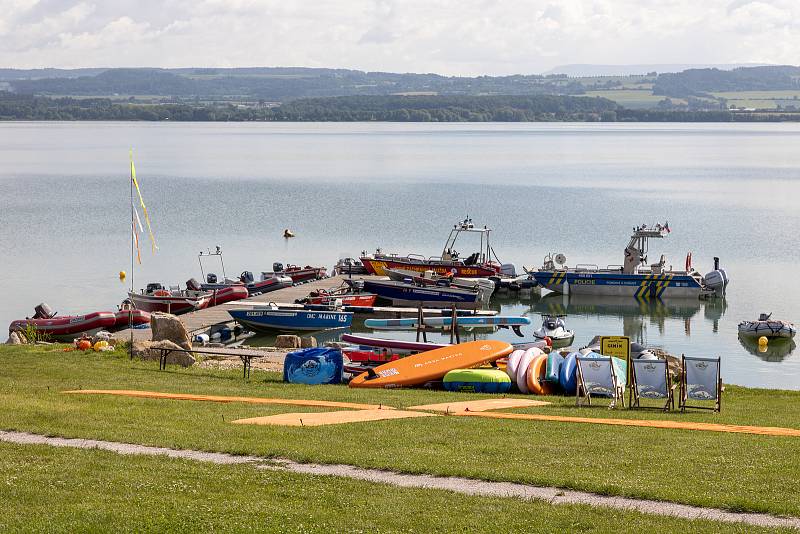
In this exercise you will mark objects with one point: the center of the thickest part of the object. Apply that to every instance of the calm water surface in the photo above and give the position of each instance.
(727, 190)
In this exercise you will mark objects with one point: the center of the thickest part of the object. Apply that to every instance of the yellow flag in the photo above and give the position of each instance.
(144, 208)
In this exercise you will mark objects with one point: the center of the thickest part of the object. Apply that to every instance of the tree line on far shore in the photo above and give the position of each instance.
(444, 108)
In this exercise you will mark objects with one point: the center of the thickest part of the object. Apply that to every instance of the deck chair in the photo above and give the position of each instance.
(701, 380)
(596, 378)
(650, 379)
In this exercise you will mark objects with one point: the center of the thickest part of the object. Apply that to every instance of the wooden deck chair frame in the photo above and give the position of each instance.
(581, 392)
(683, 403)
(635, 398)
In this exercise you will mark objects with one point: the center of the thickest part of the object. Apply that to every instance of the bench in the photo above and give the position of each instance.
(246, 355)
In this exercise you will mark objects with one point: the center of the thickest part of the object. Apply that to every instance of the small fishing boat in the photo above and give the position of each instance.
(635, 278)
(64, 328)
(273, 317)
(156, 298)
(431, 278)
(480, 264)
(295, 272)
(352, 300)
(349, 266)
(391, 344)
(440, 296)
(766, 327)
(412, 323)
(246, 279)
(343, 295)
(554, 327)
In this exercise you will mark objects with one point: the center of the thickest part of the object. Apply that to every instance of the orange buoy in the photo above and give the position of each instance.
(84, 344)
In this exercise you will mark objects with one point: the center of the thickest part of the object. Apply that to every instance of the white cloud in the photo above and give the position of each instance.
(447, 36)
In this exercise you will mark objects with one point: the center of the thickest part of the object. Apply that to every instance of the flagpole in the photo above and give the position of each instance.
(133, 229)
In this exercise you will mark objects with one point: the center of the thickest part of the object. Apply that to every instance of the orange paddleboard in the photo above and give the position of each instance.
(432, 365)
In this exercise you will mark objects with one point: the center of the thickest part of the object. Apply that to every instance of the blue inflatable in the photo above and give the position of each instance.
(313, 366)
(553, 369)
(566, 374)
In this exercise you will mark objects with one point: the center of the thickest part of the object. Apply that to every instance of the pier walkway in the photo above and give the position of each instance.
(201, 320)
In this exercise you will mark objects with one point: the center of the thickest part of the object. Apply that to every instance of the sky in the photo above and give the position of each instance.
(452, 37)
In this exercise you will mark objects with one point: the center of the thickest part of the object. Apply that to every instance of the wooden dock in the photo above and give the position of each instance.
(202, 320)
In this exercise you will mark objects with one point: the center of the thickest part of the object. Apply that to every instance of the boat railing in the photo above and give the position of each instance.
(614, 267)
(586, 267)
(418, 257)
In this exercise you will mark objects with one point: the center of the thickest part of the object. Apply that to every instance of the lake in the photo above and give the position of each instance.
(727, 190)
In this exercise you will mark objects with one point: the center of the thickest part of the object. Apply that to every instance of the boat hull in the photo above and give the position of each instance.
(408, 295)
(347, 300)
(642, 286)
(125, 318)
(175, 305)
(768, 329)
(67, 327)
(378, 266)
(291, 320)
(228, 294)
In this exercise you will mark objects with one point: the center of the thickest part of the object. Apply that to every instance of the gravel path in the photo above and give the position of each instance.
(456, 484)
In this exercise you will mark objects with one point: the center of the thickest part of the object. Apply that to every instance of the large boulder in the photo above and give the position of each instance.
(150, 350)
(167, 327)
(16, 338)
(288, 342)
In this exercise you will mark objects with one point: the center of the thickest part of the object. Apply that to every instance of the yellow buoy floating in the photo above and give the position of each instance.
(122, 275)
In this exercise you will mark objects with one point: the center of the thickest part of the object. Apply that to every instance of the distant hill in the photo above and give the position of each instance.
(700, 82)
(281, 84)
(586, 70)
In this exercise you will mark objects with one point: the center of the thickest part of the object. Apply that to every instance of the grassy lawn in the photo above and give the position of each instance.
(53, 490)
(733, 471)
(632, 98)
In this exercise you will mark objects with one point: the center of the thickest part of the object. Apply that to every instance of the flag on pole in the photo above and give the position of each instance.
(144, 208)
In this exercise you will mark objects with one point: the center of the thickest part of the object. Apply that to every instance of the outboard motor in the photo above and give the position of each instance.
(43, 311)
(211, 278)
(247, 277)
(277, 267)
(193, 285)
(717, 279)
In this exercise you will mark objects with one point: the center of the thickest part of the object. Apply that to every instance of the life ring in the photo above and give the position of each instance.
(688, 262)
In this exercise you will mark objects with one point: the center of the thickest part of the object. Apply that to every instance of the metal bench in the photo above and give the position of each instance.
(246, 355)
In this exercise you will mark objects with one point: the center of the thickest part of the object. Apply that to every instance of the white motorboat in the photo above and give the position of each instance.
(554, 327)
(767, 327)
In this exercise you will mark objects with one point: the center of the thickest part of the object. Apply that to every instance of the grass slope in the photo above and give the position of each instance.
(45, 489)
(733, 471)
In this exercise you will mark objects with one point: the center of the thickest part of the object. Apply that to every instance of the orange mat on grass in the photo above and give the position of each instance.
(674, 425)
(330, 418)
(218, 398)
(480, 405)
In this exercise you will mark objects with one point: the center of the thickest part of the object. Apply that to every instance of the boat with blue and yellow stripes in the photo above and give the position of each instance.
(635, 278)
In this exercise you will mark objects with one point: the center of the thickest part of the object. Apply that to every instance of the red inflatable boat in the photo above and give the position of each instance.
(227, 294)
(67, 327)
